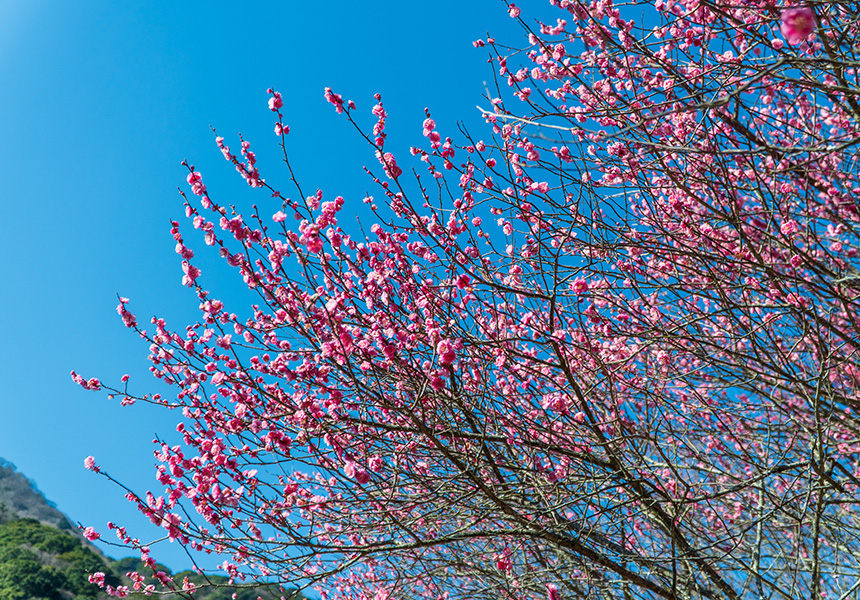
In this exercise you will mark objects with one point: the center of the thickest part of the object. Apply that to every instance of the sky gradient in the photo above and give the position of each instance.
(99, 105)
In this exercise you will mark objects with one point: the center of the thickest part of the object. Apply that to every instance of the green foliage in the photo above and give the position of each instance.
(45, 563)
(23, 576)
(41, 537)
(80, 563)
(41, 560)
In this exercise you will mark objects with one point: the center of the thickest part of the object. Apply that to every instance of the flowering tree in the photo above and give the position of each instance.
(606, 350)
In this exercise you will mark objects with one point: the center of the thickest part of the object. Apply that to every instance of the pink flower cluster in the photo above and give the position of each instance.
(431, 134)
(88, 384)
(334, 99)
(389, 164)
(276, 102)
(195, 180)
(128, 319)
(797, 24)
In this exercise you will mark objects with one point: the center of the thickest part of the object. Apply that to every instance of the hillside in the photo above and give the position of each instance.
(21, 499)
(44, 557)
(40, 561)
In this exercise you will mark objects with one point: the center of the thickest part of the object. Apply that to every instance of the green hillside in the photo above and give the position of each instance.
(38, 561)
(43, 557)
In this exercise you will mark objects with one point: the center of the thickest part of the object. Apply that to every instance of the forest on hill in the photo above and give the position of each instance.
(44, 557)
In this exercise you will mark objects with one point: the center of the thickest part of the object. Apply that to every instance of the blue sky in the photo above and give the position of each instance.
(99, 104)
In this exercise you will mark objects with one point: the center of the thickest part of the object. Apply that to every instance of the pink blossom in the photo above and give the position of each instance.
(275, 102)
(184, 251)
(789, 227)
(389, 165)
(379, 111)
(797, 24)
(191, 273)
(98, 578)
(311, 239)
(88, 384)
(361, 476)
(445, 352)
(91, 534)
(463, 281)
(128, 319)
(195, 180)
(514, 10)
(90, 464)
(382, 594)
(335, 99)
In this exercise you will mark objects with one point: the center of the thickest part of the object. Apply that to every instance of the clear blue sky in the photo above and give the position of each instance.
(99, 103)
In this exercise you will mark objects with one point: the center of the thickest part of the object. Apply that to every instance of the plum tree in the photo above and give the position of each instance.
(608, 349)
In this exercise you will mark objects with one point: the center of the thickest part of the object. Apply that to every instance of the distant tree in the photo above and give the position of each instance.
(42, 562)
(23, 578)
(606, 350)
